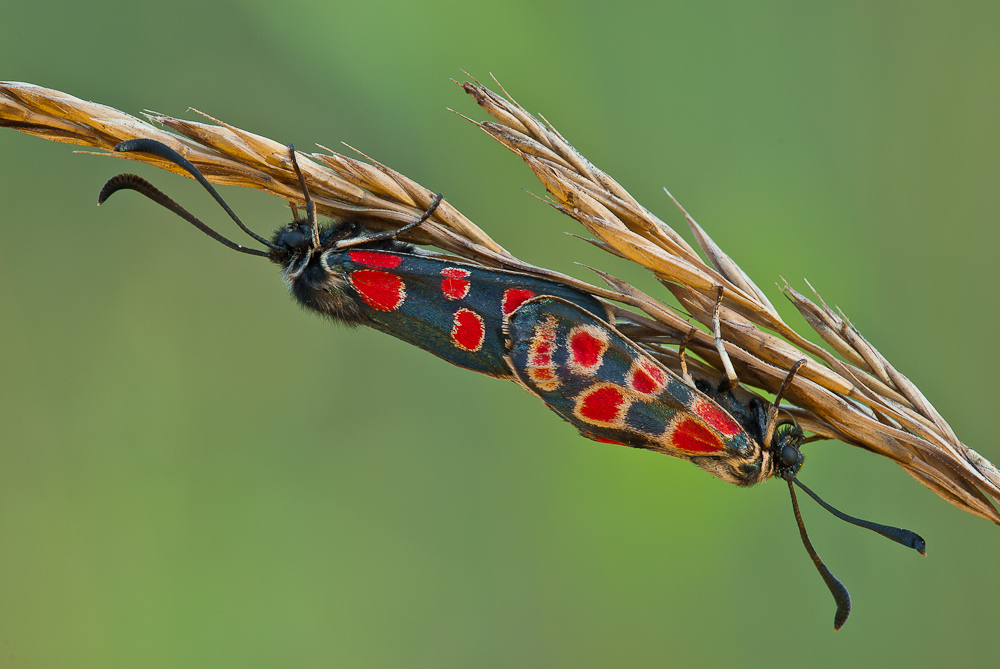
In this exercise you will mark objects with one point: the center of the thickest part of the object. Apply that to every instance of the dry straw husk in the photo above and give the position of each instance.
(853, 395)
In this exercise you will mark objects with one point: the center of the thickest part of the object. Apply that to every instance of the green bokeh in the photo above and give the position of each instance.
(195, 473)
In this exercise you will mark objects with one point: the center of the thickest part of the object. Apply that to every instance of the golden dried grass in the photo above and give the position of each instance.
(855, 396)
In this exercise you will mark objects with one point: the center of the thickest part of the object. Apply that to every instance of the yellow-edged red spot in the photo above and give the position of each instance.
(602, 404)
(541, 353)
(587, 345)
(468, 330)
(716, 417)
(693, 437)
(646, 378)
(513, 298)
(454, 285)
(382, 291)
(541, 367)
(375, 259)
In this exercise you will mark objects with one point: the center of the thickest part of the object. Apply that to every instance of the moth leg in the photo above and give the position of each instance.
(682, 354)
(311, 218)
(393, 234)
(731, 380)
(772, 411)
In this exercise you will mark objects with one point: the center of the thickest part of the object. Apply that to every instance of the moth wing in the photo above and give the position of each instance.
(451, 309)
(608, 388)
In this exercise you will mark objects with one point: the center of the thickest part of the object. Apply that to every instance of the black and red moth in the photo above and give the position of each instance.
(595, 378)
(557, 342)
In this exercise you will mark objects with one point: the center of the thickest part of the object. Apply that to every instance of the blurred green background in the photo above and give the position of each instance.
(196, 473)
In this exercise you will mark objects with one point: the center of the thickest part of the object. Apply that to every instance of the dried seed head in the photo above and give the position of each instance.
(858, 397)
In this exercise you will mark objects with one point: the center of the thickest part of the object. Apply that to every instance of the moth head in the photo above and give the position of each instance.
(292, 247)
(754, 463)
(293, 238)
(785, 449)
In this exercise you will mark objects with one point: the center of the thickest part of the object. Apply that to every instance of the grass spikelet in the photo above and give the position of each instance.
(858, 397)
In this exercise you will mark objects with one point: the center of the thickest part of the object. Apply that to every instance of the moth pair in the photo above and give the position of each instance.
(554, 340)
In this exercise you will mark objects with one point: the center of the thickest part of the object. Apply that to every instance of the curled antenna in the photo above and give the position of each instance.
(837, 589)
(161, 150)
(897, 534)
(140, 185)
(788, 449)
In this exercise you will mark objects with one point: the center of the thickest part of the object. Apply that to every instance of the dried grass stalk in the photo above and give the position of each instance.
(859, 399)
(226, 155)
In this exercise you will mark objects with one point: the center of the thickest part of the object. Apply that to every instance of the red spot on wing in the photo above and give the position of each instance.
(513, 298)
(541, 368)
(454, 285)
(586, 349)
(717, 418)
(454, 289)
(608, 441)
(541, 353)
(382, 291)
(467, 330)
(543, 375)
(647, 378)
(693, 437)
(375, 259)
(604, 404)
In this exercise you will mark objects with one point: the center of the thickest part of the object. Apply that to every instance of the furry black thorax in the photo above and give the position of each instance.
(309, 279)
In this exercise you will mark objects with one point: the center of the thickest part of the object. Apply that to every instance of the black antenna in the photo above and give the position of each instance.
(789, 456)
(837, 589)
(161, 150)
(140, 185)
(897, 534)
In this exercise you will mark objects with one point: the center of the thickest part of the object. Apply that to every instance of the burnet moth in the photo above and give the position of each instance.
(593, 376)
(557, 342)
(344, 272)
